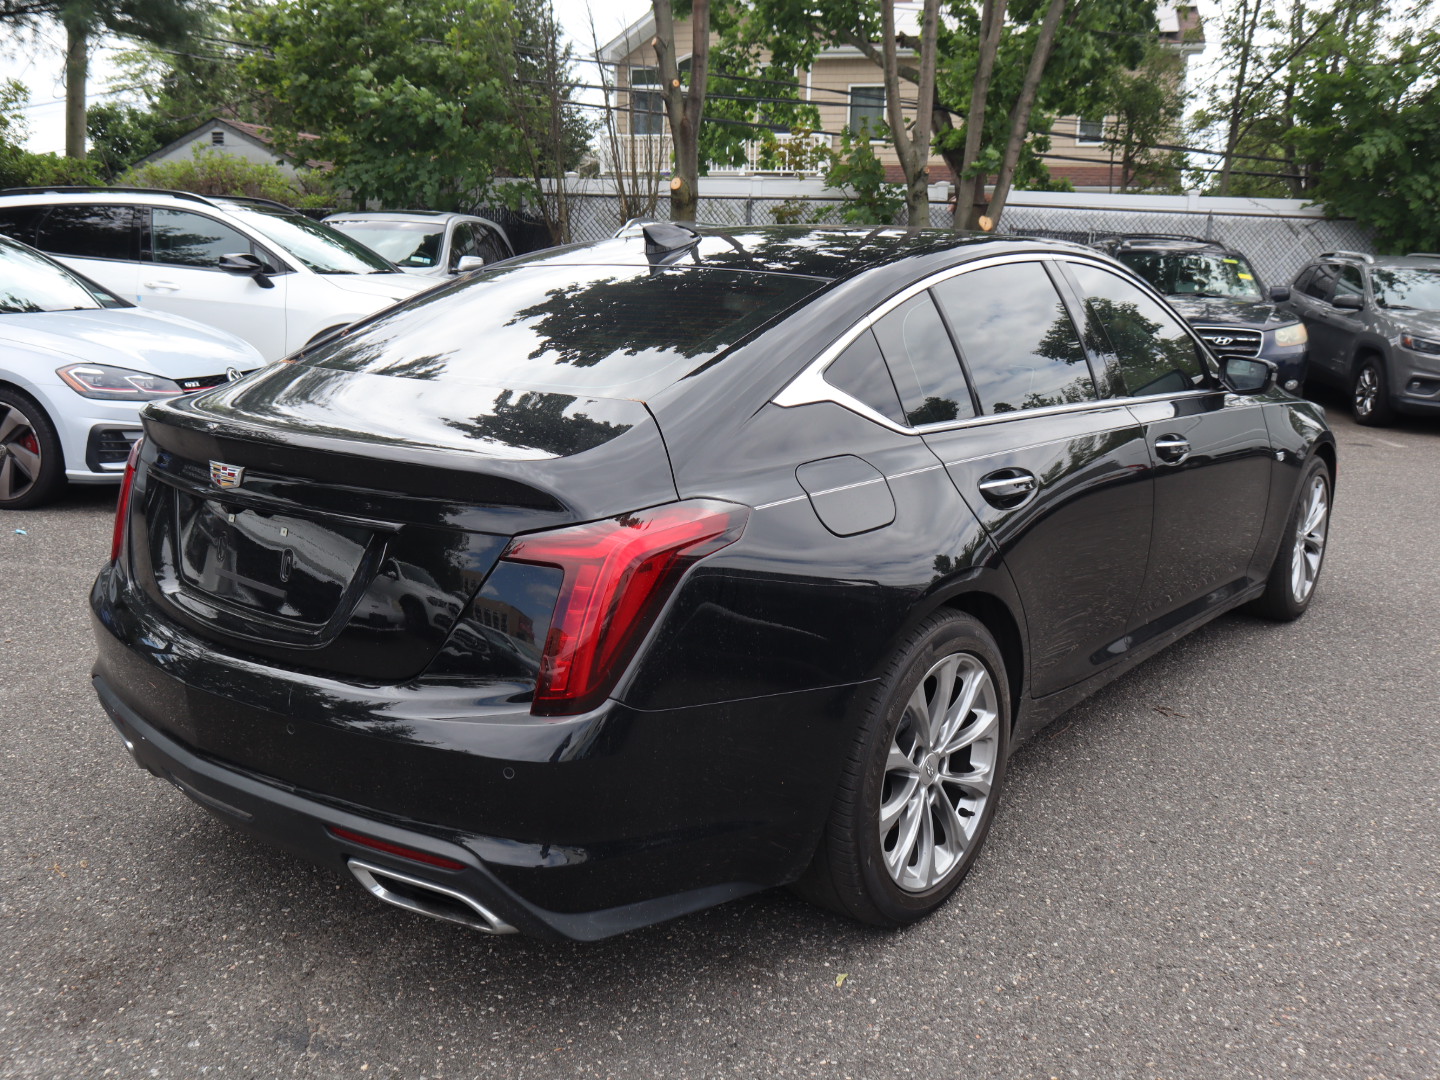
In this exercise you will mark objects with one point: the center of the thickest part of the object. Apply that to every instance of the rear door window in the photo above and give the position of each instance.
(19, 222)
(89, 232)
(923, 363)
(1143, 344)
(1017, 338)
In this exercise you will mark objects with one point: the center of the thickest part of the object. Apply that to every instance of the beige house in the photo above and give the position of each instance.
(848, 90)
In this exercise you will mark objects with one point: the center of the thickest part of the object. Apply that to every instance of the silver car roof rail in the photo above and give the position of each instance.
(1423, 255)
(1348, 255)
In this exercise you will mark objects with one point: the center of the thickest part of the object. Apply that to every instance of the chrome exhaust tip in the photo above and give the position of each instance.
(427, 898)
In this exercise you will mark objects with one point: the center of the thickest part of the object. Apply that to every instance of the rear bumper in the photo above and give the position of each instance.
(580, 828)
(302, 825)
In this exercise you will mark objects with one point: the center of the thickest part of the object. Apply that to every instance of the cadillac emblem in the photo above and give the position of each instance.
(226, 476)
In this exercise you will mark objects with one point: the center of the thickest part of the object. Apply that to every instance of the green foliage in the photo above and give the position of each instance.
(1147, 107)
(861, 175)
(1096, 43)
(18, 166)
(214, 173)
(1370, 121)
(184, 91)
(407, 99)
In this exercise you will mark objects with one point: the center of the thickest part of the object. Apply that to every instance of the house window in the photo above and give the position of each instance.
(646, 100)
(217, 138)
(867, 108)
(1089, 132)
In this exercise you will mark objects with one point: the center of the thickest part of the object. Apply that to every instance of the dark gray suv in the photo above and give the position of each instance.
(1374, 324)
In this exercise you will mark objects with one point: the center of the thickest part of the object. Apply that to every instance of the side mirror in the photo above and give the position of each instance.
(1349, 302)
(1247, 374)
(468, 264)
(245, 264)
(1279, 293)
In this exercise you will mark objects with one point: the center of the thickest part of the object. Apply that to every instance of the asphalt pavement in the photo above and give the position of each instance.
(1226, 864)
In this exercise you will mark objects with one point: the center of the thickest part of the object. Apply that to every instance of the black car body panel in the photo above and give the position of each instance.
(373, 667)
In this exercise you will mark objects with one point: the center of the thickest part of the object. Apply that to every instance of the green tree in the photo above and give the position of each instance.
(1369, 122)
(407, 101)
(1147, 111)
(1003, 71)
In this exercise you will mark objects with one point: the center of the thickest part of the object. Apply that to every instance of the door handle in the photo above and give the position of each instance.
(1007, 488)
(1172, 448)
(162, 286)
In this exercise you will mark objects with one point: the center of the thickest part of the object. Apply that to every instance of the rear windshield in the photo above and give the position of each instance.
(588, 329)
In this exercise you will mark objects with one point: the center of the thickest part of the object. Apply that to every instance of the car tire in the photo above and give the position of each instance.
(1370, 393)
(1296, 569)
(32, 465)
(914, 804)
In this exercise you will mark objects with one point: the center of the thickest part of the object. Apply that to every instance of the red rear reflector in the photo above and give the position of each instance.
(122, 504)
(396, 849)
(618, 574)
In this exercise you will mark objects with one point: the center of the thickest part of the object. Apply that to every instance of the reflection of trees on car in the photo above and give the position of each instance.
(539, 421)
(1149, 362)
(687, 313)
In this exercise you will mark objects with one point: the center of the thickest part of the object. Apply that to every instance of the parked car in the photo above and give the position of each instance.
(1374, 323)
(763, 548)
(260, 270)
(427, 242)
(1218, 291)
(76, 364)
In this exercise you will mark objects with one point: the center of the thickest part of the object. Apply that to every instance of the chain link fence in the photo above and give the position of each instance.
(1276, 244)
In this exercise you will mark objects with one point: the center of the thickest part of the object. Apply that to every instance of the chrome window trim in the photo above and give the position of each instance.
(811, 388)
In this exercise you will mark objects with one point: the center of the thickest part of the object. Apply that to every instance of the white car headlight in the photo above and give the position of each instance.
(117, 383)
(1294, 334)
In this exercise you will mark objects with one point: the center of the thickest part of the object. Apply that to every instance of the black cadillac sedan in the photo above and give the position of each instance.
(628, 578)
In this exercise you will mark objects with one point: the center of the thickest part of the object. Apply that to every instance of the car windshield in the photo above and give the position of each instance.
(413, 244)
(31, 282)
(1412, 287)
(318, 246)
(1195, 273)
(585, 329)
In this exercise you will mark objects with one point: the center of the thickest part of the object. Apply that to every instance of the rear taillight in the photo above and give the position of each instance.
(122, 505)
(395, 849)
(618, 574)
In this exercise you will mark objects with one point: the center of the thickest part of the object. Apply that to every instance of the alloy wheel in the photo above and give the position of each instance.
(20, 458)
(1367, 391)
(1310, 535)
(939, 772)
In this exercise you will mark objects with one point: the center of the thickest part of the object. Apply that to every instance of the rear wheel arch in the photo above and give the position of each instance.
(984, 601)
(995, 615)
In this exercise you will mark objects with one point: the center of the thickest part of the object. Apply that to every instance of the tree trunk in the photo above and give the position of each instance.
(912, 146)
(684, 109)
(1024, 106)
(970, 190)
(77, 63)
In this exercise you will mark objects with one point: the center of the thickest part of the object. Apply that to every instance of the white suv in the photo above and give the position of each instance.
(256, 268)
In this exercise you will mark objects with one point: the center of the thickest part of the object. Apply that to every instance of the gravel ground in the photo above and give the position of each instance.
(1224, 865)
